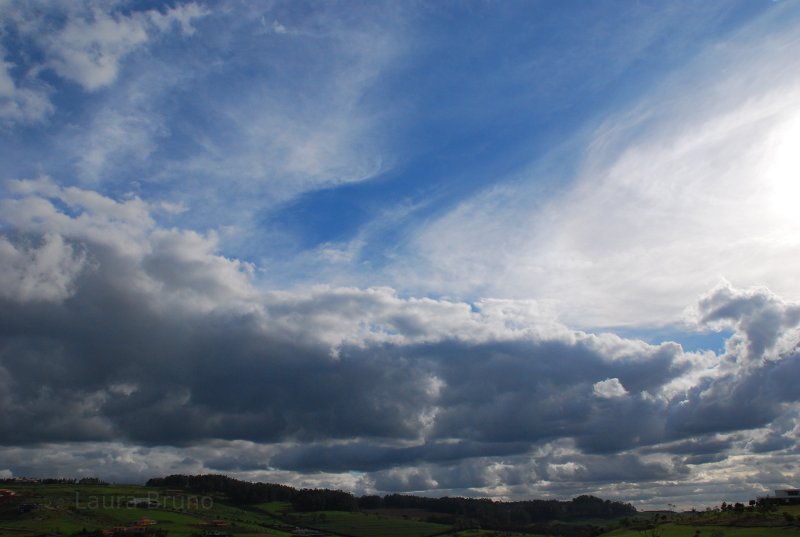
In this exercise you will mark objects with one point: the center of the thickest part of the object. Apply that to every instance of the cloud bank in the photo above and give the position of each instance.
(125, 342)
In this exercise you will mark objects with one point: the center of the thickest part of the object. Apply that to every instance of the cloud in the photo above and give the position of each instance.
(122, 133)
(146, 339)
(90, 46)
(671, 193)
(366, 456)
(297, 119)
(22, 100)
(773, 442)
(695, 446)
(141, 100)
(88, 51)
(39, 272)
(406, 480)
(83, 42)
(609, 389)
(760, 317)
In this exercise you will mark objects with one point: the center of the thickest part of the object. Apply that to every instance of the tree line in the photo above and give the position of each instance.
(53, 481)
(486, 512)
(241, 492)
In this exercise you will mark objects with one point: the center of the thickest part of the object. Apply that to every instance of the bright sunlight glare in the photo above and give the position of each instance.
(783, 170)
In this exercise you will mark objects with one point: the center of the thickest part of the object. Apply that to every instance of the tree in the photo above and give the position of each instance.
(650, 531)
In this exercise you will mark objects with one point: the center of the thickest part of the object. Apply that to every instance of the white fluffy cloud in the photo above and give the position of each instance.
(178, 267)
(609, 388)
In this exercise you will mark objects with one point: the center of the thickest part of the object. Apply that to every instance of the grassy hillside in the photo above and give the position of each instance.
(72, 509)
(783, 522)
(67, 509)
(367, 525)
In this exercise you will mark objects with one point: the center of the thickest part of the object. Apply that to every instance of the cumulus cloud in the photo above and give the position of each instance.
(39, 272)
(762, 319)
(145, 338)
(609, 388)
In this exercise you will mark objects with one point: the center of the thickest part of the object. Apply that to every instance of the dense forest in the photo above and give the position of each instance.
(488, 513)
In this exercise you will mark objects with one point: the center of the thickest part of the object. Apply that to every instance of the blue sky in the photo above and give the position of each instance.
(348, 199)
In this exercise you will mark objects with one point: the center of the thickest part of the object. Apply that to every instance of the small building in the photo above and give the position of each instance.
(307, 532)
(143, 503)
(215, 523)
(782, 497)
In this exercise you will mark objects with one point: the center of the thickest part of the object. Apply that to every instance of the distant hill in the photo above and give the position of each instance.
(481, 511)
(220, 506)
(204, 505)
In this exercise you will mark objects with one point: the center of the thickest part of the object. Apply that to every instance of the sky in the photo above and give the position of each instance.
(501, 249)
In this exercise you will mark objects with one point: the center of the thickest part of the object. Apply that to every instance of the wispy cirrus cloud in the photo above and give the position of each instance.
(286, 115)
(22, 99)
(675, 193)
(81, 42)
(90, 46)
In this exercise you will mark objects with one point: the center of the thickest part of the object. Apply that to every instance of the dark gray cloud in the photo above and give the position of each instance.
(146, 341)
(615, 468)
(781, 435)
(759, 316)
(694, 446)
(367, 456)
(745, 399)
(150, 378)
(705, 459)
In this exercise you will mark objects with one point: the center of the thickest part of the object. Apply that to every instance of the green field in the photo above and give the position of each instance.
(679, 530)
(490, 533)
(719, 524)
(66, 509)
(368, 525)
(61, 510)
